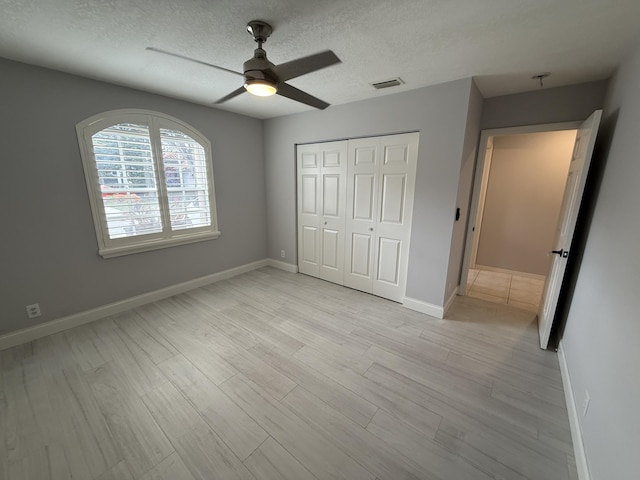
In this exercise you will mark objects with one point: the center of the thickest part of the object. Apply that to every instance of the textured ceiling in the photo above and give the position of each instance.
(500, 42)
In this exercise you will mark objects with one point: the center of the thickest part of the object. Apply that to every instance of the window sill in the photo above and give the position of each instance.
(111, 252)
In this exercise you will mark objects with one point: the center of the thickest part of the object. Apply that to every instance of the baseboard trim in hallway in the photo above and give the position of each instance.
(423, 307)
(576, 431)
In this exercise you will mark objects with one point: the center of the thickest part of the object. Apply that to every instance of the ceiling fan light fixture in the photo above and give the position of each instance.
(260, 88)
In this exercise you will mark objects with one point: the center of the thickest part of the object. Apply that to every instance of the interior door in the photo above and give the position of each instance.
(321, 208)
(578, 169)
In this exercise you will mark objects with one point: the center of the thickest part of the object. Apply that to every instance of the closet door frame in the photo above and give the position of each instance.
(359, 235)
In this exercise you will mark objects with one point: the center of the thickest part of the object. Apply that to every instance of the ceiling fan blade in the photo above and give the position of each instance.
(177, 55)
(233, 94)
(301, 66)
(299, 96)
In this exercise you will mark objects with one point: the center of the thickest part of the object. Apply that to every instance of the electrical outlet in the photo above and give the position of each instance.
(33, 311)
(282, 253)
(585, 403)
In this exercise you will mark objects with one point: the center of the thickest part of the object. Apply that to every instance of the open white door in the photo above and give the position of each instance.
(580, 161)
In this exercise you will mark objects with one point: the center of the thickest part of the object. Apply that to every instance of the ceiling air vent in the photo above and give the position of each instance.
(394, 82)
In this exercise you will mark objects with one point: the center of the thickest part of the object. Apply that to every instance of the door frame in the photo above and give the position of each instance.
(480, 180)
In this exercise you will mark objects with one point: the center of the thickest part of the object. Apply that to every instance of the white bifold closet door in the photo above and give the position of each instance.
(322, 170)
(380, 187)
(355, 203)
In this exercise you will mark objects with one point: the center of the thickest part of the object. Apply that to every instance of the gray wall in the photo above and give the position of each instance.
(439, 113)
(547, 105)
(465, 184)
(48, 243)
(524, 194)
(602, 334)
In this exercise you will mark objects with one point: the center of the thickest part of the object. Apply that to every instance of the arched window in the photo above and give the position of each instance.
(150, 181)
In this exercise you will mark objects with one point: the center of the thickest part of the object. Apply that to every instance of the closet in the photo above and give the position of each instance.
(355, 204)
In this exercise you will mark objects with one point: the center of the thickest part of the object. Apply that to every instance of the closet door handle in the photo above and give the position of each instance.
(371, 229)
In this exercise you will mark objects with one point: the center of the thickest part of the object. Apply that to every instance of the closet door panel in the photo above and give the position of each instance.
(333, 174)
(393, 198)
(389, 251)
(396, 183)
(330, 249)
(308, 162)
(309, 247)
(322, 196)
(309, 191)
(331, 195)
(362, 198)
(361, 255)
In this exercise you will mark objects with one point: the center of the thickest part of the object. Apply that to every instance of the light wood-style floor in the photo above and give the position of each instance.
(273, 376)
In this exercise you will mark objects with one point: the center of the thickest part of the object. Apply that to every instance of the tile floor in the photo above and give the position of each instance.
(272, 375)
(515, 290)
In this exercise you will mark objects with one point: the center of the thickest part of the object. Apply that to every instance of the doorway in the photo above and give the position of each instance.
(518, 193)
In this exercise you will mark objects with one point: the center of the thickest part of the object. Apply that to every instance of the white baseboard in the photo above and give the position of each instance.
(572, 408)
(510, 272)
(423, 307)
(287, 267)
(449, 301)
(58, 325)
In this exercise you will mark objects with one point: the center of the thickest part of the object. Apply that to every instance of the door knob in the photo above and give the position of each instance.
(563, 253)
(325, 223)
(371, 229)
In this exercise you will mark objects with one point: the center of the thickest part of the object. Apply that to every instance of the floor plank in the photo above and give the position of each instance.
(400, 407)
(200, 448)
(342, 399)
(272, 462)
(302, 441)
(230, 422)
(422, 450)
(120, 471)
(142, 442)
(378, 457)
(171, 468)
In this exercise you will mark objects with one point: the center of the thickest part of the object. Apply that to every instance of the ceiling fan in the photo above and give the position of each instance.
(263, 78)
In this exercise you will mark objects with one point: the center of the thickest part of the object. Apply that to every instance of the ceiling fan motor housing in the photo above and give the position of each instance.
(259, 67)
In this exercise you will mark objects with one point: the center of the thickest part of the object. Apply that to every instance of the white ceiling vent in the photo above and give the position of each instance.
(394, 82)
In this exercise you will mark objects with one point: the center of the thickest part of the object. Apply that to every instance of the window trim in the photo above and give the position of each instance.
(108, 247)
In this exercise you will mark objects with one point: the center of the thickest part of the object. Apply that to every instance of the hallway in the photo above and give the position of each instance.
(516, 290)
